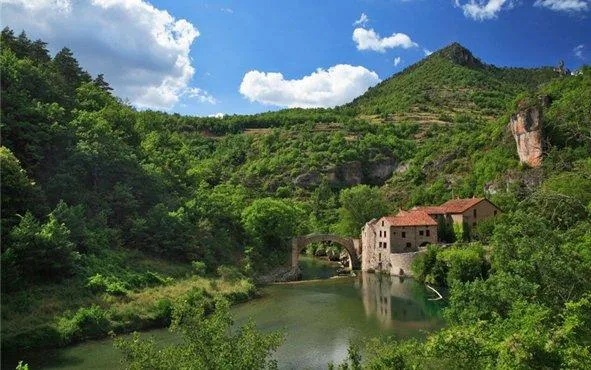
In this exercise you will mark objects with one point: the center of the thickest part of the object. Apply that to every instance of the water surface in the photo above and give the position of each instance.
(319, 319)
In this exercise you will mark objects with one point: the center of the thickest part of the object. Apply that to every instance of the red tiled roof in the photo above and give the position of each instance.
(460, 205)
(431, 210)
(411, 218)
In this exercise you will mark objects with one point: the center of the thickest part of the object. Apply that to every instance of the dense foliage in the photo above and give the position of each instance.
(209, 342)
(107, 211)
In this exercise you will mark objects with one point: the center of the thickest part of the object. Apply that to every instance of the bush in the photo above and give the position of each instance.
(464, 264)
(199, 268)
(112, 285)
(229, 273)
(87, 322)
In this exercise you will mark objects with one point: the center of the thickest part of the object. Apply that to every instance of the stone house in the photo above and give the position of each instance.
(390, 243)
(467, 211)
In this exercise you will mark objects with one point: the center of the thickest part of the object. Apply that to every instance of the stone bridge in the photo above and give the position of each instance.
(351, 245)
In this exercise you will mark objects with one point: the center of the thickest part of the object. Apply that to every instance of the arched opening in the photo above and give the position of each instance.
(300, 242)
(424, 244)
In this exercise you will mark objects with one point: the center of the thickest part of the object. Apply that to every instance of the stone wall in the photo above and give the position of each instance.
(400, 263)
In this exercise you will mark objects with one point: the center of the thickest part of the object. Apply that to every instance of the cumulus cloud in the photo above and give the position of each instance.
(397, 61)
(427, 52)
(217, 115)
(330, 87)
(362, 21)
(370, 40)
(484, 9)
(578, 50)
(564, 5)
(142, 51)
(200, 94)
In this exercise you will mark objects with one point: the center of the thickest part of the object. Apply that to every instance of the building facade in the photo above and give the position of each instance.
(390, 243)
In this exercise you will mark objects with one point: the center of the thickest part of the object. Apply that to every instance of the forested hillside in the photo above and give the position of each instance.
(101, 201)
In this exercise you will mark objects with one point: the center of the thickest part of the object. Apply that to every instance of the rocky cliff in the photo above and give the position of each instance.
(526, 127)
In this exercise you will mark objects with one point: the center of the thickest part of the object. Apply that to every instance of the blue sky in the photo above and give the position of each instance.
(217, 46)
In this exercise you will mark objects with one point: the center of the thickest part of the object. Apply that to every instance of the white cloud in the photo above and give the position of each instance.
(142, 51)
(427, 52)
(330, 87)
(564, 5)
(578, 50)
(227, 10)
(397, 61)
(484, 9)
(370, 40)
(362, 21)
(217, 115)
(200, 94)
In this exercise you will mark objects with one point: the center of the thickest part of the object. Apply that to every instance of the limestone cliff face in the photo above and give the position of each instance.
(350, 174)
(526, 127)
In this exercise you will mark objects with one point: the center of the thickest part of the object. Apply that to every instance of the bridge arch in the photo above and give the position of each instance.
(352, 246)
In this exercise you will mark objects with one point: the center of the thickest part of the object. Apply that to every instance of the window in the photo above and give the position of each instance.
(421, 232)
(408, 245)
(474, 212)
(428, 232)
(379, 256)
(385, 245)
(495, 213)
(380, 233)
(382, 223)
(380, 244)
(404, 234)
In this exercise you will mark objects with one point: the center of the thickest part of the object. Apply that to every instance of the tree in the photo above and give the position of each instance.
(271, 224)
(359, 204)
(209, 342)
(100, 82)
(37, 252)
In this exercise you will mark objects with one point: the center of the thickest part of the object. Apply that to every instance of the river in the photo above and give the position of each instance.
(319, 318)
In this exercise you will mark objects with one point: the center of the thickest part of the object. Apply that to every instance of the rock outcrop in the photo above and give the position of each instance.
(350, 174)
(280, 275)
(526, 127)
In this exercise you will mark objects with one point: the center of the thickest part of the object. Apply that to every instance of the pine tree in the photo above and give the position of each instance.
(100, 82)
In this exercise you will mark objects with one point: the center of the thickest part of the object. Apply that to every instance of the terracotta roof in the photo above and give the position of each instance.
(460, 205)
(432, 210)
(411, 218)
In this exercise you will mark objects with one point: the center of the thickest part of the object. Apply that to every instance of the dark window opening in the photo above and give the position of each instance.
(421, 232)
(408, 245)
(428, 232)
(385, 245)
(474, 212)
(404, 234)
(495, 213)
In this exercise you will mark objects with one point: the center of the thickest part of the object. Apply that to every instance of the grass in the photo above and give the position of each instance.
(60, 314)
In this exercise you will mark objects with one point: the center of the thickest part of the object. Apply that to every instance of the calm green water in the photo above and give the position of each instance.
(319, 318)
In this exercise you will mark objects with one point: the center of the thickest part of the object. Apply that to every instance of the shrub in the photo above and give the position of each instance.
(199, 268)
(112, 285)
(229, 273)
(87, 322)
(464, 264)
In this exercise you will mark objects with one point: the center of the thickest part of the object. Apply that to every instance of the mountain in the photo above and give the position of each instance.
(104, 208)
(447, 83)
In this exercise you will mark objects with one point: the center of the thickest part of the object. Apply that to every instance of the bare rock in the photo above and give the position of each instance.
(526, 127)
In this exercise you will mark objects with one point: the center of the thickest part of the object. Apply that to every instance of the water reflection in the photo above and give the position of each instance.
(397, 302)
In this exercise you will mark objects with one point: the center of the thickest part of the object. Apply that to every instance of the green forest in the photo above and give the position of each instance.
(111, 215)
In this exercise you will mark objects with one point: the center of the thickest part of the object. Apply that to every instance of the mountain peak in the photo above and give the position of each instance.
(459, 55)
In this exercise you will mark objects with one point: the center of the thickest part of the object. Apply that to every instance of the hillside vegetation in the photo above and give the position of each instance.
(109, 212)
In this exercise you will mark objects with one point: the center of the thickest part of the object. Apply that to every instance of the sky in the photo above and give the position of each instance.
(212, 58)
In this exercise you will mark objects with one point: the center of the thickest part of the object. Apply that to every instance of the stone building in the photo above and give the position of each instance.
(390, 243)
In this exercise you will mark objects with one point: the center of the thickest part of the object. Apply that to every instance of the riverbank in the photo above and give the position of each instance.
(126, 297)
